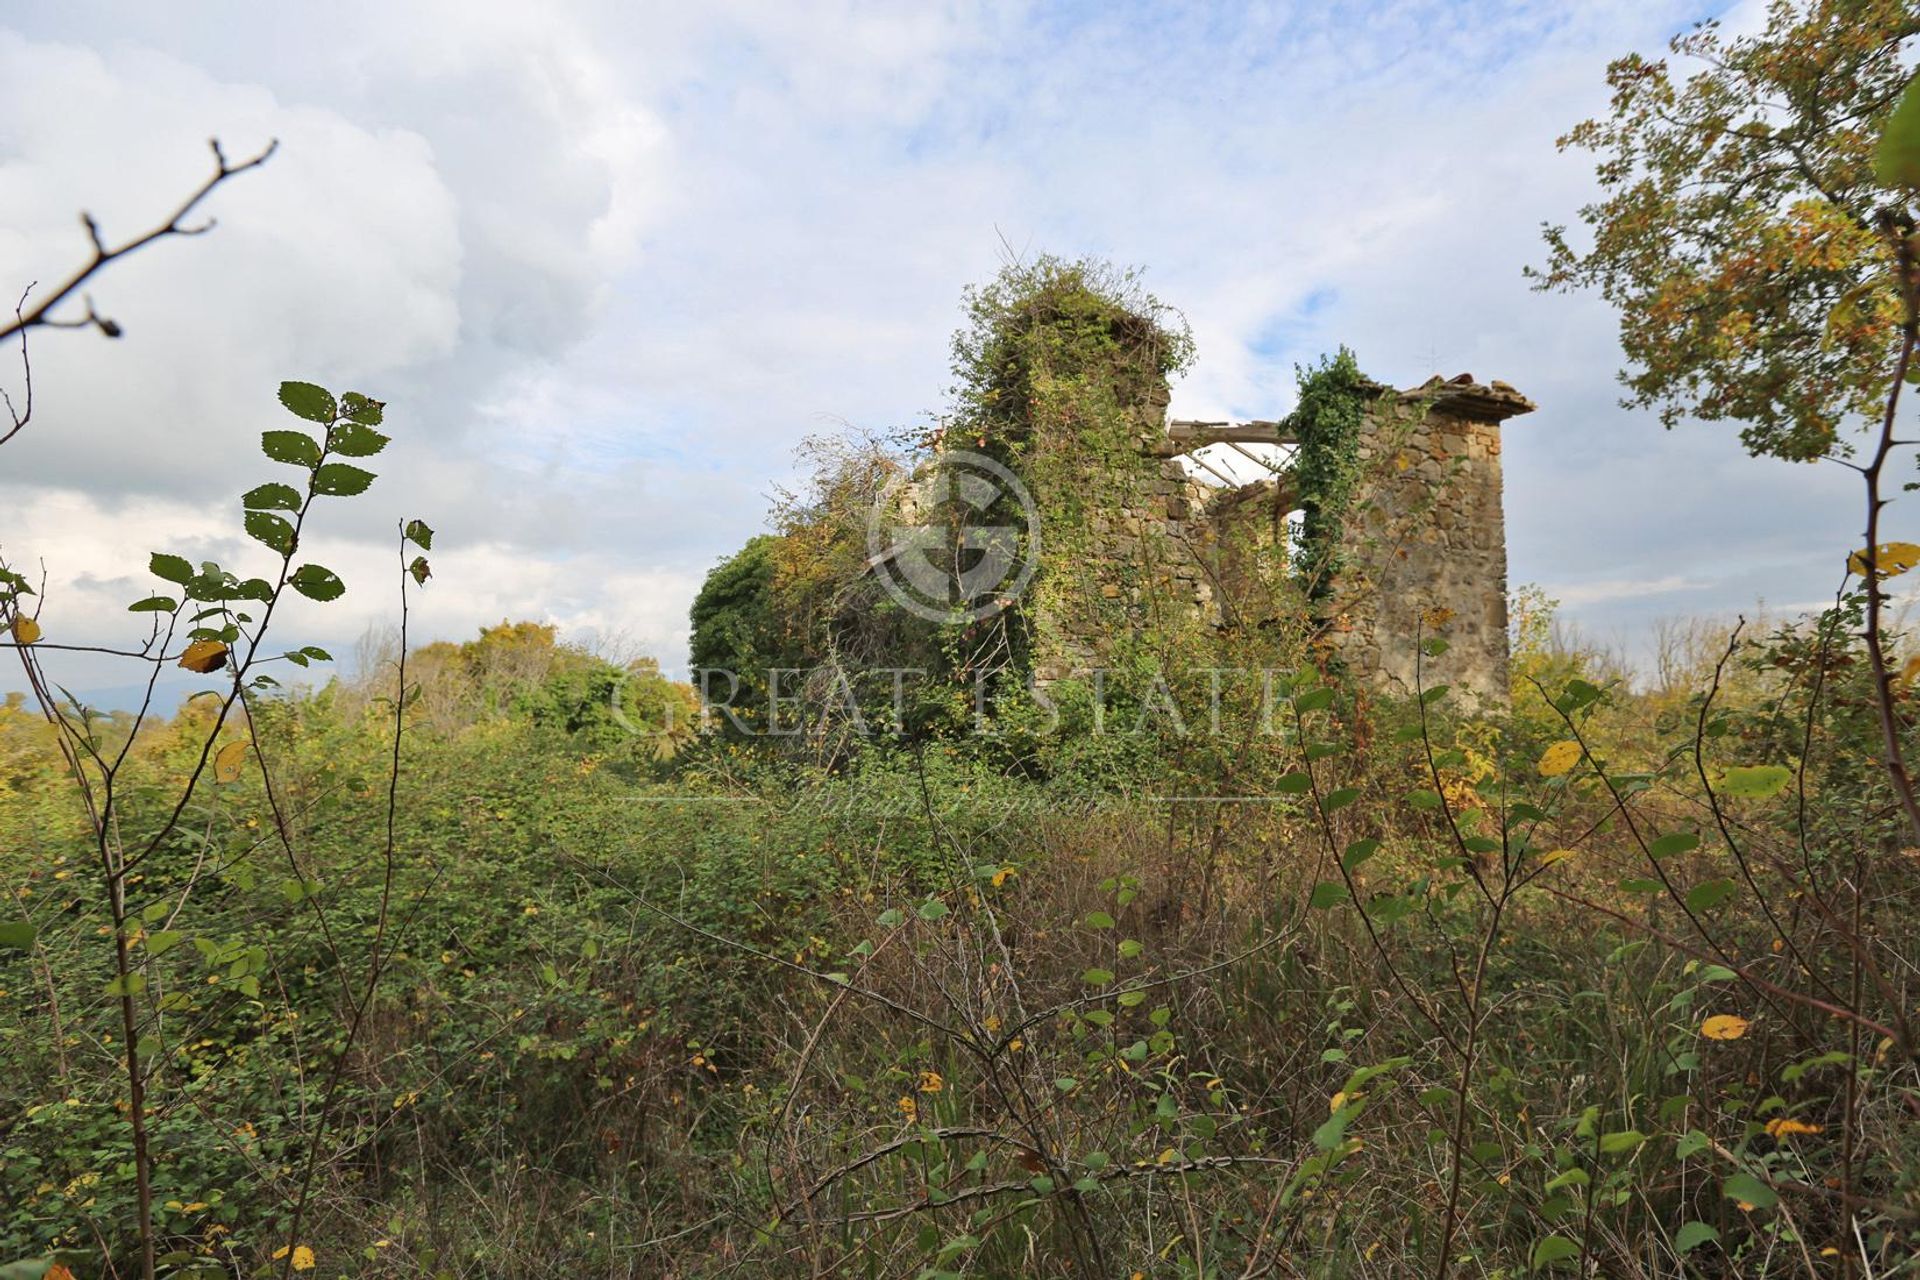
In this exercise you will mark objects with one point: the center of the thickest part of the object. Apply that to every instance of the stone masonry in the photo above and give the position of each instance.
(1424, 542)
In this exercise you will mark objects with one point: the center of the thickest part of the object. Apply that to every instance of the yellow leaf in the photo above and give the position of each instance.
(303, 1258)
(1908, 671)
(1786, 1127)
(1724, 1026)
(1559, 758)
(1335, 1102)
(25, 630)
(930, 1082)
(204, 656)
(1892, 559)
(228, 761)
(1001, 876)
(1558, 855)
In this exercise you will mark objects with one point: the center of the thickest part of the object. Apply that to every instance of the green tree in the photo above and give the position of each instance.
(1738, 226)
(735, 628)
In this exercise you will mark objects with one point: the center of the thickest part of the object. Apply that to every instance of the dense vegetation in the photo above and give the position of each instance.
(485, 961)
(913, 1013)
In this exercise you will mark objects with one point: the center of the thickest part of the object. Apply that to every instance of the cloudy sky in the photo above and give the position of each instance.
(610, 262)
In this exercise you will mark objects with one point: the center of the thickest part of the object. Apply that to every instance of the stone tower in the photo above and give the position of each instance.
(1428, 547)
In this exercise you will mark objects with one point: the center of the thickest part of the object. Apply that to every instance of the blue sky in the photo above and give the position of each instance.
(610, 263)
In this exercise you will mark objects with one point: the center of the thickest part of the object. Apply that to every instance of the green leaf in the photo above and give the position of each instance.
(1099, 920)
(1710, 894)
(1577, 694)
(272, 497)
(1691, 1143)
(1097, 977)
(17, 935)
(1674, 842)
(1358, 852)
(339, 480)
(131, 985)
(1896, 158)
(305, 400)
(1424, 799)
(1832, 1058)
(264, 526)
(1692, 1235)
(1340, 799)
(362, 409)
(932, 909)
(316, 582)
(1293, 784)
(355, 440)
(1756, 782)
(290, 446)
(420, 570)
(1570, 1178)
(419, 534)
(1748, 1189)
(1553, 1249)
(154, 604)
(1613, 1144)
(27, 1269)
(171, 568)
(1334, 1130)
(161, 941)
(1318, 700)
(1328, 893)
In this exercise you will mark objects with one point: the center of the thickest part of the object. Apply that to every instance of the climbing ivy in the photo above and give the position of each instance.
(1327, 422)
(1061, 368)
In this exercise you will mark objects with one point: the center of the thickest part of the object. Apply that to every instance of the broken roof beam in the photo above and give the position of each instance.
(1184, 435)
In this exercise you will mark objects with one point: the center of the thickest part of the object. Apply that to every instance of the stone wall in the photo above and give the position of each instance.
(1427, 548)
(1134, 563)
(1424, 544)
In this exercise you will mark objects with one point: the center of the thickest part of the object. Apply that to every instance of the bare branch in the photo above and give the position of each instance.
(103, 253)
(20, 416)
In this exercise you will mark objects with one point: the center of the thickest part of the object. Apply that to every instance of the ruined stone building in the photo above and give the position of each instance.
(1423, 543)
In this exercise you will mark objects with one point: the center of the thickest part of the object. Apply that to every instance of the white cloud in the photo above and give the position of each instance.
(1606, 590)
